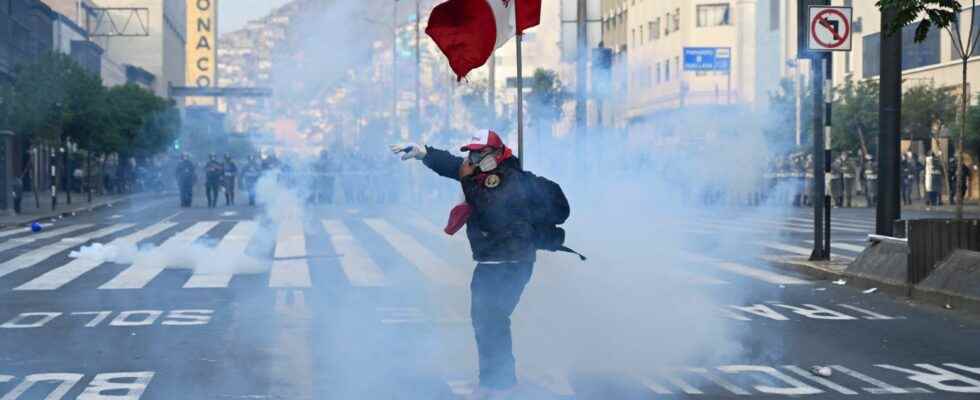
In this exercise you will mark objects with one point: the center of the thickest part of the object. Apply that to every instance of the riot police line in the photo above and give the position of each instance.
(321, 183)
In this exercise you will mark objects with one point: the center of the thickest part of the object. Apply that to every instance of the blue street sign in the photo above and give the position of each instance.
(707, 58)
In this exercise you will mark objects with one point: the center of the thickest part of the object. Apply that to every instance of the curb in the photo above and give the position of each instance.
(823, 271)
(73, 212)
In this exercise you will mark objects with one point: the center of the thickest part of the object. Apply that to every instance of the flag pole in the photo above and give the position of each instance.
(520, 88)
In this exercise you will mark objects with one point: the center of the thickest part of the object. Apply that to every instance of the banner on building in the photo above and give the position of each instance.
(202, 49)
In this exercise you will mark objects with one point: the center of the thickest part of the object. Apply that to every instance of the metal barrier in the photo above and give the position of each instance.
(932, 240)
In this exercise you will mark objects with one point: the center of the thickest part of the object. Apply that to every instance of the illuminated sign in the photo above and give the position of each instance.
(202, 50)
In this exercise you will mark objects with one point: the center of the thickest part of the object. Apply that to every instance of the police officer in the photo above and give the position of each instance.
(214, 172)
(325, 180)
(250, 177)
(185, 180)
(871, 176)
(231, 175)
(501, 238)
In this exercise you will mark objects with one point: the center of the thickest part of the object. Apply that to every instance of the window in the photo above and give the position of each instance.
(658, 73)
(641, 34)
(714, 15)
(633, 33)
(677, 65)
(667, 71)
(655, 28)
(676, 19)
(650, 31)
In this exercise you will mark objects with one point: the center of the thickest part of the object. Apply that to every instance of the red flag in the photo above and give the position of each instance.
(468, 31)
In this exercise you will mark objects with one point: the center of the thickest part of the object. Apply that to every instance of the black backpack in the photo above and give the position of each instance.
(549, 208)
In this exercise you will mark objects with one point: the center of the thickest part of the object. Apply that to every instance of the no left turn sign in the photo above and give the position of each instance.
(830, 29)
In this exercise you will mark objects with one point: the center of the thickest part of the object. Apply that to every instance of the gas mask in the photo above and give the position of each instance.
(485, 162)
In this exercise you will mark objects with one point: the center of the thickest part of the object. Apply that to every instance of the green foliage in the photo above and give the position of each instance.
(54, 98)
(937, 13)
(146, 124)
(781, 129)
(855, 116)
(547, 95)
(927, 110)
(972, 137)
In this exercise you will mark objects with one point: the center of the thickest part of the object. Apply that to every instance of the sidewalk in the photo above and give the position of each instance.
(30, 212)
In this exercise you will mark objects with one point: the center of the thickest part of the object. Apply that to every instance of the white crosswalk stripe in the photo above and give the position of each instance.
(141, 273)
(12, 232)
(38, 255)
(434, 268)
(787, 248)
(234, 242)
(58, 277)
(291, 266)
(358, 266)
(747, 271)
(44, 235)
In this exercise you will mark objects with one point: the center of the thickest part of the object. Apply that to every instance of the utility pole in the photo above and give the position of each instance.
(492, 90)
(417, 118)
(889, 207)
(394, 71)
(581, 82)
(819, 174)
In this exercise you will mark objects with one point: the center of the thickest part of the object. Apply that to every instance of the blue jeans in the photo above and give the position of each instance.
(496, 289)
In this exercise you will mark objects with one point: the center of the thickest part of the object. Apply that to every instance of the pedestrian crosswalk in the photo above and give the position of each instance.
(141, 272)
(365, 251)
(783, 235)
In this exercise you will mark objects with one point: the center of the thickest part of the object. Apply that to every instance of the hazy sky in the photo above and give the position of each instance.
(233, 14)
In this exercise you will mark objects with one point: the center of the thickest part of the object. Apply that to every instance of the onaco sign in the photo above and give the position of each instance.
(202, 50)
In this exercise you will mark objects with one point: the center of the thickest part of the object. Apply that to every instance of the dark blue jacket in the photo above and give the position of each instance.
(499, 228)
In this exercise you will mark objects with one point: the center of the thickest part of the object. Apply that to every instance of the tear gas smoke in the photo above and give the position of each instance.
(646, 298)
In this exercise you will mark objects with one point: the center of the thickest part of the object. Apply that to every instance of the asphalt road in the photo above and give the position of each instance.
(371, 303)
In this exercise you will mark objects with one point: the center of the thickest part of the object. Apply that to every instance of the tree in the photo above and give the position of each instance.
(856, 116)
(41, 92)
(545, 100)
(927, 111)
(943, 14)
(145, 123)
(973, 132)
(780, 132)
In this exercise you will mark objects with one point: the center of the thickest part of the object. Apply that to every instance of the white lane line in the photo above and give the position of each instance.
(747, 271)
(140, 274)
(723, 227)
(53, 232)
(290, 268)
(234, 242)
(58, 277)
(358, 266)
(13, 232)
(842, 246)
(787, 248)
(836, 223)
(802, 227)
(35, 256)
(433, 267)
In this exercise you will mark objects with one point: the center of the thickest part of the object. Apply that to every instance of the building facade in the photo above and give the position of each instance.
(649, 37)
(161, 51)
(26, 32)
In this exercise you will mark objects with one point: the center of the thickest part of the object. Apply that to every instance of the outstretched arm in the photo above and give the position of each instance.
(440, 161)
